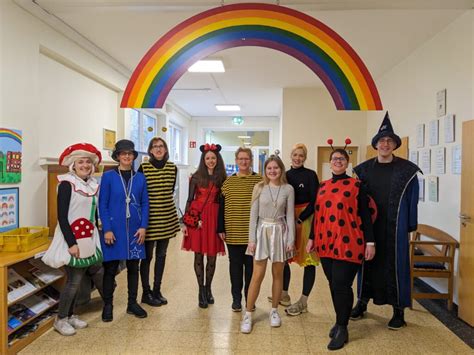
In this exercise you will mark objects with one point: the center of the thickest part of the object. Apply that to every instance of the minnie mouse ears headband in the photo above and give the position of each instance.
(347, 141)
(216, 148)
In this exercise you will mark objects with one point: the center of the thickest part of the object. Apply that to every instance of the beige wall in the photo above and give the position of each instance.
(408, 91)
(310, 117)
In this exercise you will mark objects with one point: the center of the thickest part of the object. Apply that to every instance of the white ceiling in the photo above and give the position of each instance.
(383, 33)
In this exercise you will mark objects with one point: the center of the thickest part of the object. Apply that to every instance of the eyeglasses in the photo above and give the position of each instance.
(158, 146)
(386, 140)
(125, 153)
(341, 159)
(243, 159)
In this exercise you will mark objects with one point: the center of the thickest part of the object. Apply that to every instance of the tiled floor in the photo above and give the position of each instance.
(182, 327)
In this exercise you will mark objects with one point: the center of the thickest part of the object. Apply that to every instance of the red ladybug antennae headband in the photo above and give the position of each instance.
(347, 142)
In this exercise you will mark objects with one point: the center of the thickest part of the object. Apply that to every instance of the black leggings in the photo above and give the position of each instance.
(161, 246)
(340, 275)
(110, 270)
(240, 269)
(309, 277)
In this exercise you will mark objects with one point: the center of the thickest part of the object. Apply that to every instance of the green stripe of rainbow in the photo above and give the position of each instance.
(8, 133)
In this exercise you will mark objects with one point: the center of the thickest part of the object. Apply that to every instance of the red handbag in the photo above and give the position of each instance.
(192, 217)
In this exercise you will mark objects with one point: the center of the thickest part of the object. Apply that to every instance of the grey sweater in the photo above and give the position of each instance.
(263, 207)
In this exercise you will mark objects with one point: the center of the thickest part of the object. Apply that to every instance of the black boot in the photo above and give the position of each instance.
(209, 296)
(158, 296)
(202, 297)
(341, 336)
(333, 331)
(359, 310)
(108, 312)
(398, 320)
(136, 310)
(148, 298)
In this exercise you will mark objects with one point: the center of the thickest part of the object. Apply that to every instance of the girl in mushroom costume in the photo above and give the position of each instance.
(76, 243)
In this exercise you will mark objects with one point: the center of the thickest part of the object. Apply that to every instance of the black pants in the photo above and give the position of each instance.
(309, 277)
(240, 264)
(110, 270)
(340, 275)
(161, 246)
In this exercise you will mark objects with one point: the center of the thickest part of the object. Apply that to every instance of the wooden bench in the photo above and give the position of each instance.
(432, 257)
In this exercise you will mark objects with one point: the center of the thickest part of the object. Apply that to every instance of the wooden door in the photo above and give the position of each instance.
(323, 158)
(466, 248)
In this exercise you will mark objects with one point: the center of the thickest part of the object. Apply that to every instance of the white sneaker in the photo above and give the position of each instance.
(76, 322)
(246, 324)
(275, 320)
(63, 327)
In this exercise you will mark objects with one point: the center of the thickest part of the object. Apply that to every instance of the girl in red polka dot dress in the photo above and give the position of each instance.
(342, 236)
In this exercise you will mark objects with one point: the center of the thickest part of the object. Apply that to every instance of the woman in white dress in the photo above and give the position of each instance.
(271, 236)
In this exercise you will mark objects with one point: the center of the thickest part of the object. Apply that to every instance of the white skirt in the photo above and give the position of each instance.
(272, 240)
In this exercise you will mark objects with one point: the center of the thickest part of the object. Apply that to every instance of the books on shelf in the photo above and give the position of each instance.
(18, 286)
(43, 272)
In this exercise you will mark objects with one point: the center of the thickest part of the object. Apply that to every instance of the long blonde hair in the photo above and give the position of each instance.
(259, 187)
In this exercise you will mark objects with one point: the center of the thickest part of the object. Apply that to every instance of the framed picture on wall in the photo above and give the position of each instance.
(9, 209)
(109, 138)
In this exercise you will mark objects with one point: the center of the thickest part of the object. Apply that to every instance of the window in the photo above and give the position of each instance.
(142, 129)
(176, 144)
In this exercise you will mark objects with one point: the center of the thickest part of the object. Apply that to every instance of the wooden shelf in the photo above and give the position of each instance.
(21, 343)
(28, 321)
(33, 292)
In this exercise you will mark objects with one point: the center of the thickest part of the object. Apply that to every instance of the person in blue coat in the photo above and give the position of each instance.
(392, 182)
(123, 210)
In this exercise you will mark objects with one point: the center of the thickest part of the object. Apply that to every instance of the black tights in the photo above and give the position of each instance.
(340, 275)
(160, 247)
(199, 268)
(309, 277)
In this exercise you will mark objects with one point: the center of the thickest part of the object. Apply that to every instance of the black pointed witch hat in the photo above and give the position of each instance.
(386, 130)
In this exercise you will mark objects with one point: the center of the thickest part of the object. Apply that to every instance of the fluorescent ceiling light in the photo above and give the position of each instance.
(247, 143)
(244, 137)
(207, 66)
(227, 107)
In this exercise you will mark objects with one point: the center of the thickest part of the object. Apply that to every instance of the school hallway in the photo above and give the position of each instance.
(181, 327)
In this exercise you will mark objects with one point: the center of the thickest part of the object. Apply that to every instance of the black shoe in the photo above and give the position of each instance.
(108, 313)
(202, 298)
(398, 320)
(333, 331)
(209, 296)
(359, 310)
(236, 306)
(136, 310)
(341, 337)
(148, 298)
(158, 296)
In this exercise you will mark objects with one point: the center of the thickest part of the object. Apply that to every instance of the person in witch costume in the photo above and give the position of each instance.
(163, 225)
(392, 182)
(203, 199)
(77, 219)
(343, 238)
(123, 210)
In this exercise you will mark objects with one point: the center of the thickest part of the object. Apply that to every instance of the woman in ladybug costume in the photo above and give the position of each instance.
(77, 216)
(343, 238)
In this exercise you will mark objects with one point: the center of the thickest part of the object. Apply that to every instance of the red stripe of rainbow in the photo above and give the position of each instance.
(8, 133)
(295, 33)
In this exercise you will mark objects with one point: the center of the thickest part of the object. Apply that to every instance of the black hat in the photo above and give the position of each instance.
(386, 130)
(124, 145)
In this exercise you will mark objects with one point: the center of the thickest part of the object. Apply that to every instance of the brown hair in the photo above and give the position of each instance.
(244, 150)
(150, 147)
(219, 174)
(340, 151)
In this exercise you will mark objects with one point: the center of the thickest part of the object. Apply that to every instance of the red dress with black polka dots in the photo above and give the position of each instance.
(337, 225)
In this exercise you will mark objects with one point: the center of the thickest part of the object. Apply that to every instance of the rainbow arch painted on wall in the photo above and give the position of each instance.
(8, 133)
(292, 32)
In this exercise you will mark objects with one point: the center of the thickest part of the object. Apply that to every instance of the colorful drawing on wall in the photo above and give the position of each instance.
(277, 27)
(10, 156)
(9, 209)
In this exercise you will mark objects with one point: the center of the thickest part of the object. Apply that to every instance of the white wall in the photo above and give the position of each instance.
(310, 117)
(408, 91)
(24, 72)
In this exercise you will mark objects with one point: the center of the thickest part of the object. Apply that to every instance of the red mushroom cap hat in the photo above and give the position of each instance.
(80, 150)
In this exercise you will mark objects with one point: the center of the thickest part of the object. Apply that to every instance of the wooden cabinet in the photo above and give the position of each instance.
(19, 262)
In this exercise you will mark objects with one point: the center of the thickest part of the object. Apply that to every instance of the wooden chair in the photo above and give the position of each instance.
(432, 257)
